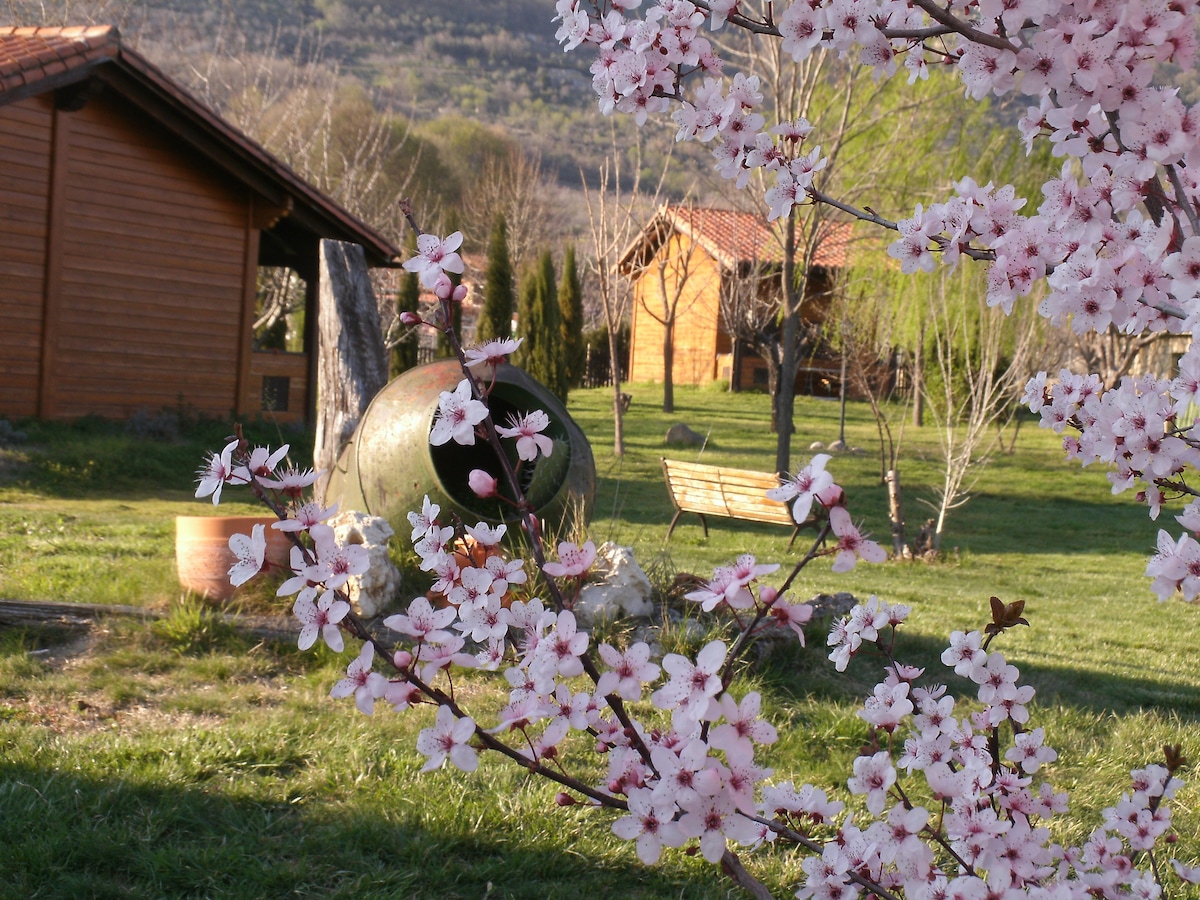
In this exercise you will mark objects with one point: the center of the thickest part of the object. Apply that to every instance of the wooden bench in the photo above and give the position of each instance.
(720, 491)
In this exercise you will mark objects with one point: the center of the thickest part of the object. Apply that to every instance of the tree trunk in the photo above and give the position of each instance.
(352, 362)
(735, 367)
(669, 366)
(786, 386)
(896, 514)
(614, 367)
(918, 381)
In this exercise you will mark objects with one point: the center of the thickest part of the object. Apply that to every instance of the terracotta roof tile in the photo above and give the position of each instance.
(29, 55)
(733, 237)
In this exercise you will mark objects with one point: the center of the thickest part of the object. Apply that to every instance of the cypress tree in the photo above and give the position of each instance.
(539, 323)
(404, 354)
(570, 307)
(444, 349)
(495, 317)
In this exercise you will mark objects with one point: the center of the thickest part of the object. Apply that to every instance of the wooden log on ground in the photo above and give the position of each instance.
(40, 614)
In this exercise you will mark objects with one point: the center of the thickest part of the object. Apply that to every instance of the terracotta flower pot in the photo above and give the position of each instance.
(202, 553)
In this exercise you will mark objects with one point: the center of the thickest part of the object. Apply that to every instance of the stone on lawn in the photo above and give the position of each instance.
(679, 435)
(623, 589)
(374, 590)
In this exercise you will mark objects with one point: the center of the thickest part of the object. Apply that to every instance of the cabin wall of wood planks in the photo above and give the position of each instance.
(697, 314)
(127, 262)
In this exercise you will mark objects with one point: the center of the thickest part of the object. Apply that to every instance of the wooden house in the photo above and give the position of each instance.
(689, 258)
(133, 222)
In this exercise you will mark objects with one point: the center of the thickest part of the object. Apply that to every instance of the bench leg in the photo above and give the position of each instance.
(795, 534)
(674, 521)
(704, 522)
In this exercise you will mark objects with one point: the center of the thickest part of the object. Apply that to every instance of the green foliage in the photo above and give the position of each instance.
(408, 299)
(538, 322)
(570, 307)
(495, 318)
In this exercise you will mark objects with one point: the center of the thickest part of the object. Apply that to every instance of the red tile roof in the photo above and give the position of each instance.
(36, 60)
(733, 237)
(31, 55)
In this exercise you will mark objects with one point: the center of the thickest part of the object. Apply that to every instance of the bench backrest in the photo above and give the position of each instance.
(721, 491)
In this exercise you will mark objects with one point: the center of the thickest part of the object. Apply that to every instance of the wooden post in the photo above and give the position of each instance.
(352, 362)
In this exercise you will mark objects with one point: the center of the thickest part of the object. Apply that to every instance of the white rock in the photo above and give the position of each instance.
(375, 589)
(624, 590)
(817, 445)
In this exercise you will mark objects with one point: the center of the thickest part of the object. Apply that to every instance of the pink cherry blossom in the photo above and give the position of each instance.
(365, 685)
(527, 430)
(321, 618)
(852, 545)
(435, 256)
(447, 739)
(251, 553)
(627, 671)
(573, 560)
(216, 472)
(458, 414)
(804, 487)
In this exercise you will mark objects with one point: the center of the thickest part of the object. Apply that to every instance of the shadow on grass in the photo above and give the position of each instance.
(66, 835)
(794, 672)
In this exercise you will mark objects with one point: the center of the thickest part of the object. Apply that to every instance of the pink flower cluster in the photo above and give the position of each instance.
(1115, 238)
(683, 766)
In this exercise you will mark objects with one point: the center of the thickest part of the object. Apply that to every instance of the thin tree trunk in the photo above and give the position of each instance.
(896, 513)
(352, 362)
(918, 381)
(614, 366)
(785, 388)
(669, 367)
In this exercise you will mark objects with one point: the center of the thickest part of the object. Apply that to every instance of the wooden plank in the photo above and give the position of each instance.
(60, 155)
(87, 217)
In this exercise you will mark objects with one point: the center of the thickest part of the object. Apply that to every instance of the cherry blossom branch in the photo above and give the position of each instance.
(359, 630)
(533, 529)
(935, 12)
(743, 639)
(732, 866)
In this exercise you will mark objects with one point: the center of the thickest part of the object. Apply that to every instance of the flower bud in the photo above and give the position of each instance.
(403, 659)
(483, 484)
(443, 287)
(562, 798)
(409, 318)
(459, 294)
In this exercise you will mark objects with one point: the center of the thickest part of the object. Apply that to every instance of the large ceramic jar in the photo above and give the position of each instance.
(389, 465)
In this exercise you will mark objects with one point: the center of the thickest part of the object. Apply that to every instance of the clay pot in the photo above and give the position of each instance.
(202, 553)
(388, 466)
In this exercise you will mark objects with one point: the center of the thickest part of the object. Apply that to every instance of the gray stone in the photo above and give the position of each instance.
(374, 590)
(833, 606)
(838, 445)
(817, 445)
(623, 590)
(682, 436)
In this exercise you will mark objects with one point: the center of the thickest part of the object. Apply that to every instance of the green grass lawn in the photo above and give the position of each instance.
(178, 759)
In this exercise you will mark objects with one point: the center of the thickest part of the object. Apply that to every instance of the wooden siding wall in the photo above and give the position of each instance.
(26, 132)
(153, 273)
(698, 315)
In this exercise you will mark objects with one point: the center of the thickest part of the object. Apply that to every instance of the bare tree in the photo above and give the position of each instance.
(1113, 354)
(983, 359)
(669, 272)
(855, 116)
(515, 186)
(614, 216)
